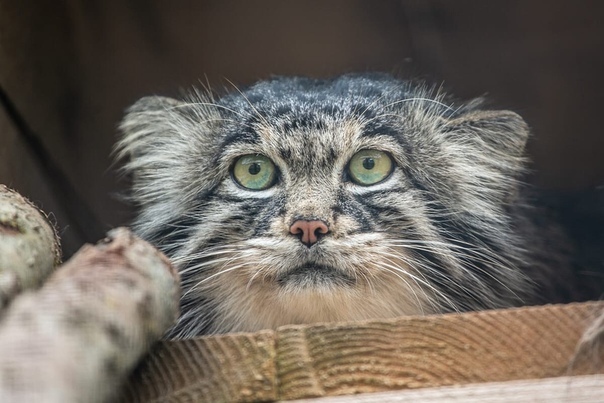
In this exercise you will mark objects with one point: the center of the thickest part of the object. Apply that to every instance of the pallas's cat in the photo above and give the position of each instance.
(300, 200)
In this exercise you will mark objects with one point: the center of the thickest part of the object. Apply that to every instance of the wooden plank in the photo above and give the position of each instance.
(307, 361)
(419, 352)
(229, 368)
(587, 388)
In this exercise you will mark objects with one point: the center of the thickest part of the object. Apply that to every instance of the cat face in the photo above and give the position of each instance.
(304, 200)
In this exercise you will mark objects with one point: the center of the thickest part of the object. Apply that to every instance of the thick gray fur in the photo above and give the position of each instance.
(451, 229)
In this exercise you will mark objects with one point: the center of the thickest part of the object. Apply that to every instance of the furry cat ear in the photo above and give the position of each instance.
(504, 132)
(155, 128)
(145, 125)
(160, 137)
(492, 144)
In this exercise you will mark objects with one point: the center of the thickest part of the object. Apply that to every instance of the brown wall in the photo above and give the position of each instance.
(70, 68)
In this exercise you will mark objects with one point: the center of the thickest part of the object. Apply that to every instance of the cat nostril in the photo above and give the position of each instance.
(309, 231)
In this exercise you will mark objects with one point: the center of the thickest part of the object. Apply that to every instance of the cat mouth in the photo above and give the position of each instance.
(315, 275)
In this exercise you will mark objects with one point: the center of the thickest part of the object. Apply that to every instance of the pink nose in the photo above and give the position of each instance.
(309, 230)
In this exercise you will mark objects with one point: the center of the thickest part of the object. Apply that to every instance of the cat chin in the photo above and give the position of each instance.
(315, 294)
(312, 305)
(314, 276)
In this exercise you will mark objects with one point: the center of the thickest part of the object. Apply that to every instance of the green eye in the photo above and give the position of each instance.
(255, 172)
(368, 167)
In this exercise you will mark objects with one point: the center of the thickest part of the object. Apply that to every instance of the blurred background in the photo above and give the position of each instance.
(68, 70)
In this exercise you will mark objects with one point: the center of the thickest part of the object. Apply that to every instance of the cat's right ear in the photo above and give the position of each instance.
(146, 125)
(161, 138)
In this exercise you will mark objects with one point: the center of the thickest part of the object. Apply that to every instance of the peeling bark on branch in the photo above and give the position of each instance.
(29, 246)
(80, 335)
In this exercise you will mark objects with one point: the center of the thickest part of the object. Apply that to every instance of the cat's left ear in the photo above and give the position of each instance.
(490, 146)
(504, 132)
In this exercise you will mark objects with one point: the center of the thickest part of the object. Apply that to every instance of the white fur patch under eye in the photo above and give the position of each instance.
(387, 184)
(238, 191)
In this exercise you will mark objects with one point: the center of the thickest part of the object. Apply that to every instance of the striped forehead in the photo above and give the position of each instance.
(301, 143)
(318, 139)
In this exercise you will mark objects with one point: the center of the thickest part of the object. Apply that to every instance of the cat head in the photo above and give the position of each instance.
(301, 200)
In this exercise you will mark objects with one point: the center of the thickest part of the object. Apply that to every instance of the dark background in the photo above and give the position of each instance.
(68, 70)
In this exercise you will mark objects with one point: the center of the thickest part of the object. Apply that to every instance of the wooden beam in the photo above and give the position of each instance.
(332, 359)
(229, 368)
(584, 389)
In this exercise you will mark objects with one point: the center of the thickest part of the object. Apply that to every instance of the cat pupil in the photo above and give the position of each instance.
(254, 168)
(368, 163)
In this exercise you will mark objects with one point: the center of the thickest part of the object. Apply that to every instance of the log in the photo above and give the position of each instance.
(81, 334)
(29, 246)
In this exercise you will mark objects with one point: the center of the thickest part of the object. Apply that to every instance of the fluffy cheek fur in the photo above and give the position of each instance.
(251, 298)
